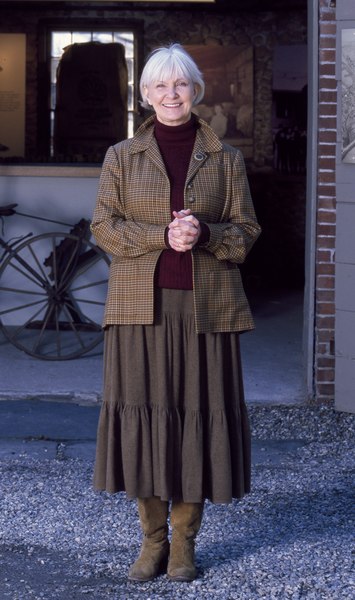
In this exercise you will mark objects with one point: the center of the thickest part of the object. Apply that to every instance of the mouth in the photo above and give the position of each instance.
(172, 105)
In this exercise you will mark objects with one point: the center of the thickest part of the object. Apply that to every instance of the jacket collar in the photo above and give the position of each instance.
(206, 140)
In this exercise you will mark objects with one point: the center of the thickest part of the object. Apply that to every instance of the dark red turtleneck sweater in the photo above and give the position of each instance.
(174, 269)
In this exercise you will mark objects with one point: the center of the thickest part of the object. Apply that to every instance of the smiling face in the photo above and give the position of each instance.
(171, 99)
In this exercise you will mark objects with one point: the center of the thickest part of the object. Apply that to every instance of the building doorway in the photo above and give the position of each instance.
(274, 273)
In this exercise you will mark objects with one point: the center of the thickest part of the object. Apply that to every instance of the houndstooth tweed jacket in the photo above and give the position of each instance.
(133, 210)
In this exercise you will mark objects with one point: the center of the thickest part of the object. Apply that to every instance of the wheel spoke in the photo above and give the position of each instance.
(58, 313)
(22, 291)
(86, 286)
(72, 325)
(58, 338)
(36, 280)
(36, 259)
(42, 329)
(85, 265)
(86, 301)
(64, 280)
(87, 319)
(54, 251)
(25, 325)
(17, 308)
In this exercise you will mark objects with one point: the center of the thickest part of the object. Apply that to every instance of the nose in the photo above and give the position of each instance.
(171, 91)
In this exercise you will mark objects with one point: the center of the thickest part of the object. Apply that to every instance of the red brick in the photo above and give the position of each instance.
(325, 375)
(327, 69)
(325, 308)
(327, 83)
(322, 347)
(326, 163)
(325, 242)
(325, 229)
(326, 110)
(326, 191)
(327, 15)
(327, 122)
(324, 338)
(328, 96)
(325, 282)
(324, 256)
(325, 389)
(327, 28)
(325, 198)
(327, 149)
(326, 362)
(326, 176)
(326, 203)
(325, 323)
(325, 295)
(325, 269)
(326, 216)
(327, 41)
(327, 55)
(327, 136)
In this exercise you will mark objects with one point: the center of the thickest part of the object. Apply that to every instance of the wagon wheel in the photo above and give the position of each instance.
(52, 295)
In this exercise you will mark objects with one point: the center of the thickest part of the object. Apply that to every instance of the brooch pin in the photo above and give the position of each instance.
(199, 155)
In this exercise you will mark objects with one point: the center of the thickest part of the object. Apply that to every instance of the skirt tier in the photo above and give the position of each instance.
(173, 422)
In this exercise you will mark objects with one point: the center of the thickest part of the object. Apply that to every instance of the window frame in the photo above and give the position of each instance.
(43, 141)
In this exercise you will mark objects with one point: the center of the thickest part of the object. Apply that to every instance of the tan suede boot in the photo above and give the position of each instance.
(153, 557)
(186, 520)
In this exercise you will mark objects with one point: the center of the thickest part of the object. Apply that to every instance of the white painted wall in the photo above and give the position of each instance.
(67, 199)
(63, 198)
(345, 247)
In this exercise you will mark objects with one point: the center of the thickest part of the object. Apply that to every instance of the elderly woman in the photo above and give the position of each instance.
(174, 211)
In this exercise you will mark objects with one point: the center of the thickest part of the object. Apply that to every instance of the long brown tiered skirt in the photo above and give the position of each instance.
(173, 421)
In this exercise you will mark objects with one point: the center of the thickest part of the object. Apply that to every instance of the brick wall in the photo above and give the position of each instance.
(326, 215)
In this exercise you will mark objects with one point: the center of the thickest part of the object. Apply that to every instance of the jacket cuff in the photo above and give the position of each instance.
(166, 237)
(205, 235)
(215, 237)
(155, 237)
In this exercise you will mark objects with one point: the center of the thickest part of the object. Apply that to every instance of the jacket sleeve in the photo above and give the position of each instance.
(233, 239)
(113, 232)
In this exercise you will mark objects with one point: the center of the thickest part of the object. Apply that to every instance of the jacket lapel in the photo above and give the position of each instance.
(205, 143)
(144, 141)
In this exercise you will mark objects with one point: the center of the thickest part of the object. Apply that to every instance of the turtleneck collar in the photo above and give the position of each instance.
(176, 134)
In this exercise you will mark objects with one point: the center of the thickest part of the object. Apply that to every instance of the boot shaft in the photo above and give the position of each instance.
(185, 521)
(153, 557)
(186, 518)
(153, 515)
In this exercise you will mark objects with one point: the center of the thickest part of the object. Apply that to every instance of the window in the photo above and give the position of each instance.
(60, 39)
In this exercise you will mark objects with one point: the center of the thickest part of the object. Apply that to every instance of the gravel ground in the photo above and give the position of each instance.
(291, 538)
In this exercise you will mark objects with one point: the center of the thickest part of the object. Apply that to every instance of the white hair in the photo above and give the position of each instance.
(170, 62)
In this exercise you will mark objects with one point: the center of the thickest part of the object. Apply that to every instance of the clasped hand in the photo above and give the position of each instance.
(184, 231)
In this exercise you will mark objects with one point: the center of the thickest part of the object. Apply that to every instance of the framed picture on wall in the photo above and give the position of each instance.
(228, 104)
(12, 94)
(348, 95)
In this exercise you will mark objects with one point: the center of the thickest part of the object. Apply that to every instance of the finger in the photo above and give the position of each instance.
(181, 213)
(185, 224)
(191, 219)
(178, 243)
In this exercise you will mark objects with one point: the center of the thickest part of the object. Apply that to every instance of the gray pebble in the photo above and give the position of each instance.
(291, 538)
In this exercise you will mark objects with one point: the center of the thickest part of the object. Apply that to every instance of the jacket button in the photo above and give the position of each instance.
(192, 199)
